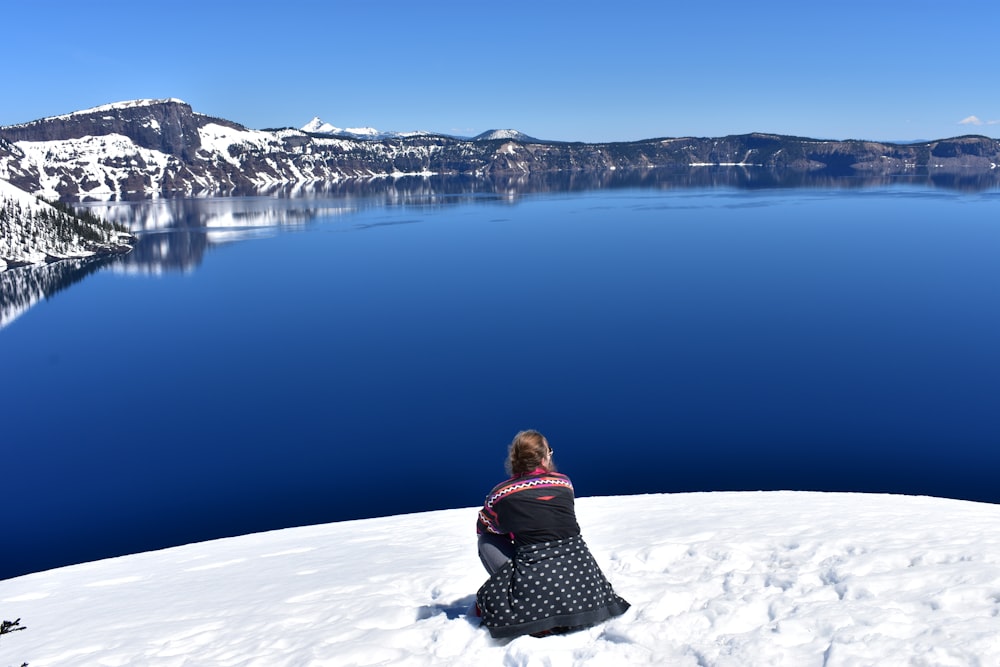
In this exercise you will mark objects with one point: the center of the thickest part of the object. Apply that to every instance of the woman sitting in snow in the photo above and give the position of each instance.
(543, 577)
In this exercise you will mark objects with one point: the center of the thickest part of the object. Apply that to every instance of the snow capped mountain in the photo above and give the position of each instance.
(493, 135)
(317, 126)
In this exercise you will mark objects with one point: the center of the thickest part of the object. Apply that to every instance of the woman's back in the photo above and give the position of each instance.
(537, 507)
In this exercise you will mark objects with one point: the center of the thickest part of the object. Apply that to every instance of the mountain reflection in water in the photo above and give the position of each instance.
(175, 233)
(217, 220)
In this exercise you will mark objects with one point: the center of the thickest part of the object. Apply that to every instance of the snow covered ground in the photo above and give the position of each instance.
(26, 239)
(771, 578)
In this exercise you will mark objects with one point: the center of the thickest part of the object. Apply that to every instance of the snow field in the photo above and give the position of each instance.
(721, 579)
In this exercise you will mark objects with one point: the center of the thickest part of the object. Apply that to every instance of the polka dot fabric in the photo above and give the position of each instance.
(548, 586)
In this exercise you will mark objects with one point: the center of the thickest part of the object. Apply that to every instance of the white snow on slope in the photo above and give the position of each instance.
(25, 241)
(109, 157)
(715, 579)
(218, 138)
(27, 201)
(108, 160)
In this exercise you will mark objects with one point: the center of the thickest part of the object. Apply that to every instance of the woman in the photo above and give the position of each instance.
(543, 578)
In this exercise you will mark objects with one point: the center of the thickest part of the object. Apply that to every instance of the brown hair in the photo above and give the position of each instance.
(527, 451)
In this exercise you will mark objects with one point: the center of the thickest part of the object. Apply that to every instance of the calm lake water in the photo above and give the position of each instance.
(266, 362)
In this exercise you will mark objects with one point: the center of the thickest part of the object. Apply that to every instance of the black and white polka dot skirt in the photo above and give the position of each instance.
(545, 587)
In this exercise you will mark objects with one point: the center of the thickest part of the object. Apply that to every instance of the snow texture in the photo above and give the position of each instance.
(715, 579)
(100, 162)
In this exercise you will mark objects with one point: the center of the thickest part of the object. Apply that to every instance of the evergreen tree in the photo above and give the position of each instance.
(12, 626)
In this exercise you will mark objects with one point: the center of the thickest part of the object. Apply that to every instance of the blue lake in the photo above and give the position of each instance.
(265, 362)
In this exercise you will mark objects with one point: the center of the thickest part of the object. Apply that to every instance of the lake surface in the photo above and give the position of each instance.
(265, 362)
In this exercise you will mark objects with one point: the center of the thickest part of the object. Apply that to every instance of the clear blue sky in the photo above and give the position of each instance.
(581, 70)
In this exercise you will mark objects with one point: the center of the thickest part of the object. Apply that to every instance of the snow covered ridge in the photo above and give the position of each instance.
(715, 579)
(34, 232)
(162, 147)
(104, 108)
(318, 126)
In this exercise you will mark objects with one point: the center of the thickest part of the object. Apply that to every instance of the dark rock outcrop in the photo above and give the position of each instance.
(167, 126)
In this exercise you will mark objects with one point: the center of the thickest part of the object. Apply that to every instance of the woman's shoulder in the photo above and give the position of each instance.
(538, 473)
(549, 475)
(534, 479)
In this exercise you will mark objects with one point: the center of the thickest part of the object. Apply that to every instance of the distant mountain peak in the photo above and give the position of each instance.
(494, 135)
(317, 126)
